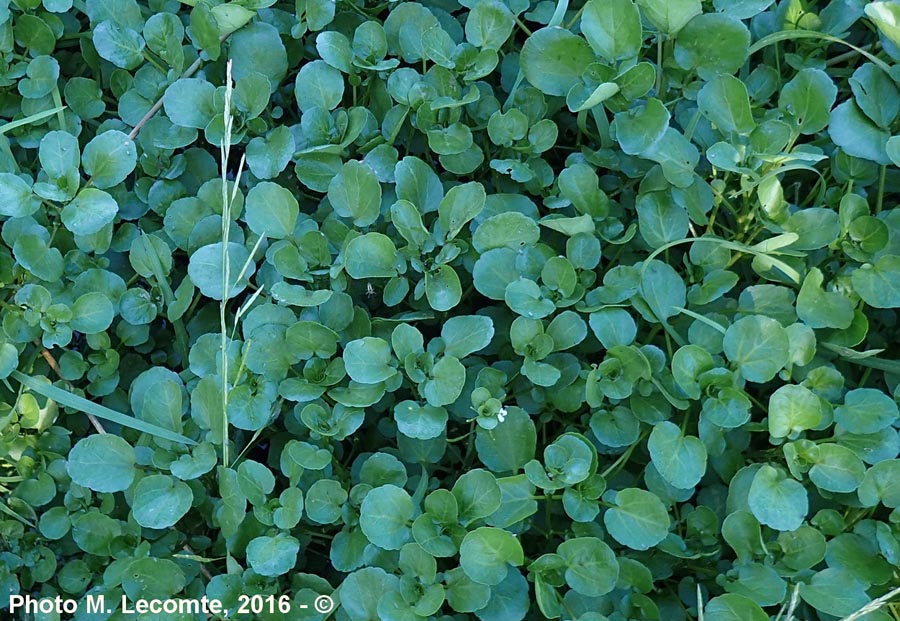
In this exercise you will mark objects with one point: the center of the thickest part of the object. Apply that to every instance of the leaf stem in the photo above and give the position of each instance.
(788, 35)
(522, 25)
(60, 109)
(54, 365)
(660, 41)
(181, 337)
(879, 203)
(847, 354)
(613, 467)
(224, 151)
(149, 58)
(195, 66)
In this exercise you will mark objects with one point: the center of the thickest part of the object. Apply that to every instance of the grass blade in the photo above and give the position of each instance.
(5, 509)
(34, 118)
(68, 399)
(712, 324)
(864, 359)
(788, 35)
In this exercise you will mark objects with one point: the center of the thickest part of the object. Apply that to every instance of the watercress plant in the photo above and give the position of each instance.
(489, 309)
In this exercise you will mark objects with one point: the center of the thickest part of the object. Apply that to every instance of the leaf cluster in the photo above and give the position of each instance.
(480, 309)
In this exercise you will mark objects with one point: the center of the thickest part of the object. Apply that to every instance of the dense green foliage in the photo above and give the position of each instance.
(489, 309)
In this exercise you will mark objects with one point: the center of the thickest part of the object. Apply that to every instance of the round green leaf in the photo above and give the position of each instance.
(16, 198)
(190, 102)
(271, 210)
(448, 377)
(881, 484)
(268, 156)
(489, 24)
(511, 445)
(477, 494)
(361, 591)
(55, 523)
(510, 230)
(758, 346)
(466, 334)
(857, 135)
(92, 313)
(724, 101)
(680, 459)
(713, 43)
(385, 515)
(837, 469)
(639, 519)
(256, 481)
(613, 28)
(524, 296)
(670, 16)
(372, 255)
(355, 193)
(793, 409)
(808, 97)
(835, 592)
(152, 578)
(640, 127)
(318, 85)
(367, 360)
(257, 48)
(324, 500)
(273, 556)
(103, 463)
(160, 501)
(109, 158)
(866, 410)
(89, 212)
(84, 97)
(42, 72)
(118, 44)
(442, 288)
(878, 284)
(206, 269)
(486, 554)
(461, 203)
(893, 149)
(93, 532)
(9, 359)
(421, 422)
(822, 309)
(591, 566)
(663, 289)
(553, 58)
(733, 607)
(201, 460)
(777, 501)
(660, 219)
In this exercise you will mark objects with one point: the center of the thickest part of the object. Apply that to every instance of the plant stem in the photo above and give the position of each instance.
(522, 25)
(873, 605)
(53, 364)
(195, 66)
(60, 109)
(225, 150)
(149, 58)
(837, 60)
(203, 570)
(660, 41)
(621, 459)
(880, 200)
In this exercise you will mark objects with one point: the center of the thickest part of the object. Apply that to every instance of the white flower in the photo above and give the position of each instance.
(501, 414)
